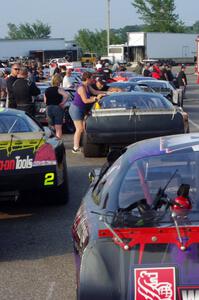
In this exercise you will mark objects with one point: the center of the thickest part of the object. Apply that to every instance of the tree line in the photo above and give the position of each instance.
(156, 15)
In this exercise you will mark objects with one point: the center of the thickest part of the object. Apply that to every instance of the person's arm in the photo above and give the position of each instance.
(81, 91)
(44, 98)
(64, 94)
(96, 92)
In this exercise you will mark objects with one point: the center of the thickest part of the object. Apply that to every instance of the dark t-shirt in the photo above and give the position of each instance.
(107, 73)
(23, 91)
(146, 73)
(52, 96)
(10, 82)
(182, 76)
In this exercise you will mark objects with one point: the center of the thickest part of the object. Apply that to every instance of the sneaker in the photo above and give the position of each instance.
(78, 150)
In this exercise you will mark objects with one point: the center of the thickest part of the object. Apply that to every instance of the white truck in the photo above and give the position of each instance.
(178, 47)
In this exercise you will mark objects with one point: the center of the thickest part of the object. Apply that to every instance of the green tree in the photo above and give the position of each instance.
(95, 41)
(37, 30)
(196, 27)
(159, 15)
(121, 33)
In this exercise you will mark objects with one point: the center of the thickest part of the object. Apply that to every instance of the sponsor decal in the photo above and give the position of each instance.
(188, 293)
(7, 165)
(23, 163)
(16, 164)
(155, 283)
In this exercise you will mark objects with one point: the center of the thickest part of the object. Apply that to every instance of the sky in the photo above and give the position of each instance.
(66, 17)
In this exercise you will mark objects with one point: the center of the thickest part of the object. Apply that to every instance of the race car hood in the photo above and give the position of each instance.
(152, 270)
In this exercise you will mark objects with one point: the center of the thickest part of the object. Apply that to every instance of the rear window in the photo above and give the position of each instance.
(15, 123)
(137, 101)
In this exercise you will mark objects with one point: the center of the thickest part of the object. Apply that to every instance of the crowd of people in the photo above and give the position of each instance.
(19, 88)
(164, 72)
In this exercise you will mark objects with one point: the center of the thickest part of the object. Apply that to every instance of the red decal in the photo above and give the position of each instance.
(155, 284)
(7, 165)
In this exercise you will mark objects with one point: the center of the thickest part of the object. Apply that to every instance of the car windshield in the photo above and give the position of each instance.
(170, 171)
(17, 123)
(158, 86)
(138, 101)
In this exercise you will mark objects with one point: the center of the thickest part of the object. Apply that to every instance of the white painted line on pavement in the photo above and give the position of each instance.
(50, 291)
(194, 124)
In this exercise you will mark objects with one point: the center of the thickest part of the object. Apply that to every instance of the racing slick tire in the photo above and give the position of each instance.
(92, 150)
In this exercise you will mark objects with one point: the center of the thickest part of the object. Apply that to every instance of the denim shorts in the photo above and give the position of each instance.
(77, 113)
(55, 115)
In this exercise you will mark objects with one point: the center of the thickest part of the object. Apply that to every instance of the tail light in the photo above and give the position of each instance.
(45, 153)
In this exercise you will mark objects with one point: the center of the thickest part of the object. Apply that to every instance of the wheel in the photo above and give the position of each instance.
(60, 194)
(92, 150)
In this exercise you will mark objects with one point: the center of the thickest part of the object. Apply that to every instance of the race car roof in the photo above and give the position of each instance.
(163, 145)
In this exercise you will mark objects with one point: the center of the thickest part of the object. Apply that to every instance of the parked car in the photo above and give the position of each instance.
(32, 159)
(129, 86)
(127, 117)
(88, 59)
(123, 75)
(166, 89)
(136, 233)
(138, 78)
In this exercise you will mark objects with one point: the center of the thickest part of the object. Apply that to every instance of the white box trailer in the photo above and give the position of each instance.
(20, 48)
(179, 47)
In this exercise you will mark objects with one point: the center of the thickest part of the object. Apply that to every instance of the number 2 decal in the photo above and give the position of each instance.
(49, 179)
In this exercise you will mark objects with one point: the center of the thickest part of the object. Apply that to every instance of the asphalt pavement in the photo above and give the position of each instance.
(36, 254)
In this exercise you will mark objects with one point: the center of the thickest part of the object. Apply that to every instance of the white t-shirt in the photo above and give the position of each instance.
(68, 82)
(98, 66)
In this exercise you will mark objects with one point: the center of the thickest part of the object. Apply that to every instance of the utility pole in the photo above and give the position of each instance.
(108, 24)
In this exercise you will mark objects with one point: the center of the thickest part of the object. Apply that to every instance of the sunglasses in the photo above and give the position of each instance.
(17, 69)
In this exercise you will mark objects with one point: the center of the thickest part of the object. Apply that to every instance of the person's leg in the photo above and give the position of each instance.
(78, 131)
(58, 131)
(58, 120)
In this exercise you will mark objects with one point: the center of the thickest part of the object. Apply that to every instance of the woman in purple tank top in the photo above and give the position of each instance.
(79, 107)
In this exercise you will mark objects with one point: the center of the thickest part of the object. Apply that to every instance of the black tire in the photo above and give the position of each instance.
(92, 150)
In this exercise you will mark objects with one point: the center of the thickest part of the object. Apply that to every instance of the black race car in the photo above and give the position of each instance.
(136, 233)
(127, 117)
(31, 159)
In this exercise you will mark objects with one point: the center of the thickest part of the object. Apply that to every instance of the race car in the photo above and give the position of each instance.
(127, 117)
(129, 86)
(32, 159)
(166, 89)
(136, 233)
